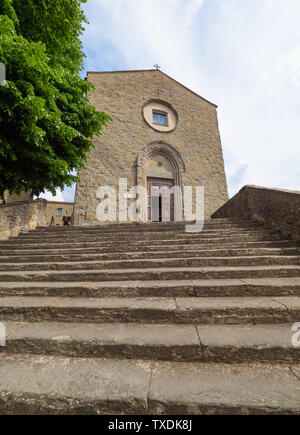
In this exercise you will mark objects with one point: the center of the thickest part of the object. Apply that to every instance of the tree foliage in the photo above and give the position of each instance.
(46, 122)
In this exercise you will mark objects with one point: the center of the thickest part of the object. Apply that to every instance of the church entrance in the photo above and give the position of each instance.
(160, 199)
(159, 170)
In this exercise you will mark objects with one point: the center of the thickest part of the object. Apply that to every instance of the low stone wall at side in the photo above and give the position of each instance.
(22, 214)
(275, 208)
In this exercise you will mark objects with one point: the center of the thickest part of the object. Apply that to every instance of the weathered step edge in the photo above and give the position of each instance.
(282, 260)
(194, 288)
(79, 386)
(170, 273)
(240, 343)
(153, 310)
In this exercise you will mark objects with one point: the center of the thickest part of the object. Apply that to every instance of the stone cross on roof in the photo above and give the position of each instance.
(157, 67)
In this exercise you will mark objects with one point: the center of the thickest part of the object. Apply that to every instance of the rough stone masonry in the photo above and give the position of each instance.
(156, 121)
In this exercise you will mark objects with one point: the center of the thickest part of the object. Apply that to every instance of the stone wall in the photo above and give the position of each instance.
(21, 214)
(196, 138)
(10, 198)
(277, 209)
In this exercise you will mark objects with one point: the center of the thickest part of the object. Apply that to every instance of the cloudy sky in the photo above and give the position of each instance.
(243, 55)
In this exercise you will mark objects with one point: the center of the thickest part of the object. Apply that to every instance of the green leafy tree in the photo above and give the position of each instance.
(46, 121)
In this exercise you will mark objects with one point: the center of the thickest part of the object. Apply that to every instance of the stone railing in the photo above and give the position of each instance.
(275, 208)
(22, 214)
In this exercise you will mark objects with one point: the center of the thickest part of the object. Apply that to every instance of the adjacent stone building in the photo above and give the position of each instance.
(56, 210)
(162, 135)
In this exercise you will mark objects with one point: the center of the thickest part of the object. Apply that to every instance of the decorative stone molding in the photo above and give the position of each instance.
(275, 208)
(163, 148)
(161, 107)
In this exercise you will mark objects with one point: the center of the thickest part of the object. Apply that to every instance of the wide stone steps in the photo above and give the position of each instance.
(150, 319)
(34, 384)
(69, 237)
(189, 343)
(143, 236)
(139, 227)
(156, 262)
(179, 288)
(130, 243)
(167, 273)
(36, 257)
(213, 310)
(282, 244)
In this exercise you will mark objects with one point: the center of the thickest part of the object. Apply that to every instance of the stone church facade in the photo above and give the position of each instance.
(162, 135)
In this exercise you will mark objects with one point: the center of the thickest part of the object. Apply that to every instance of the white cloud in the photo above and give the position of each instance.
(66, 195)
(193, 8)
(142, 33)
(48, 195)
(245, 56)
(289, 66)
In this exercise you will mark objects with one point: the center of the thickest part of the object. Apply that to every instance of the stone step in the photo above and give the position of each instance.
(179, 288)
(147, 238)
(189, 343)
(151, 227)
(20, 244)
(166, 252)
(154, 226)
(69, 237)
(153, 274)
(144, 237)
(152, 263)
(214, 310)
(31, 384)
(122, 229)
(139, 247)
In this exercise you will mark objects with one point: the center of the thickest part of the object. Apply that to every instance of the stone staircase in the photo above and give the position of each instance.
(148, 319)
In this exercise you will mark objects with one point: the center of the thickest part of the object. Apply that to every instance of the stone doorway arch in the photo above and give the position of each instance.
(178, 169)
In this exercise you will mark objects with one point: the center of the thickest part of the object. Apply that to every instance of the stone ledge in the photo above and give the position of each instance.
(274, 208)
